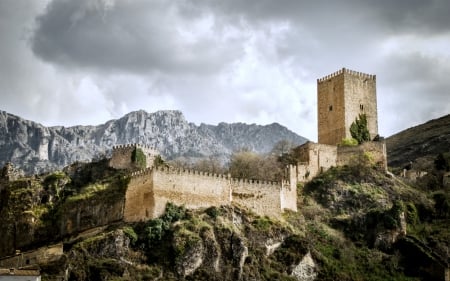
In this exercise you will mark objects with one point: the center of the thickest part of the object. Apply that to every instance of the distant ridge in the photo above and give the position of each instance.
(422, 141)
(36, 148)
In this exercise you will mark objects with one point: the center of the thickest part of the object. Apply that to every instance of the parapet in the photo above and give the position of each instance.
(348, 72)
(169, 170)
(256, 183)
(135, 145)
(142, 172)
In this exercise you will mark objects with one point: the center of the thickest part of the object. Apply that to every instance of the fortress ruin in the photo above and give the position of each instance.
(342, 97)
(150, 189)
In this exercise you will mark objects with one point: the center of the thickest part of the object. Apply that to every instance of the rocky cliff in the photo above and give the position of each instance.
(36, 148)
(353, 223)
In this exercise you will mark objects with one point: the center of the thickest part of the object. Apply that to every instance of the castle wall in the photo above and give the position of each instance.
(315, 158)
(139, 198)
(150, 190)
(260, 196)
(347, 155)
(192, 189)
(288, 193)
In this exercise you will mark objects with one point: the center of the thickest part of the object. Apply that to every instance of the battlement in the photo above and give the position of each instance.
(122, 155)
(256, 183)
(346, 71)
(169, 170)
(140, 173)
(134, 145)
(151, 188)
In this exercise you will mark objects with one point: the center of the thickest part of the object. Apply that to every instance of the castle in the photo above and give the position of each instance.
(150, 189)
(341, 96)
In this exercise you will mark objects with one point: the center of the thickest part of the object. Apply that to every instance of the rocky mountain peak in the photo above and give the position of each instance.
(36, 148)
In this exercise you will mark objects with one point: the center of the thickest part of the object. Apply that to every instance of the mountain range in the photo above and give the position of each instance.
(35, 148)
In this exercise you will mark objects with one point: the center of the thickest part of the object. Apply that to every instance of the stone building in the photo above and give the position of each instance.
(341, 97)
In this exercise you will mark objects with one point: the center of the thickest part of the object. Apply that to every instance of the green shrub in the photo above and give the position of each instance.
(262, 223)
(412, 215)
(359, 130)
(213, 212)
(129, 232)
(173, 213)
(349, 142)
(138, 158)
(156, 229)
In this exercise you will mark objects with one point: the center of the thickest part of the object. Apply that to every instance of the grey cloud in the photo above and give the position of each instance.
(399, 15)
(136, 36)
(412, 16)
(413, 88)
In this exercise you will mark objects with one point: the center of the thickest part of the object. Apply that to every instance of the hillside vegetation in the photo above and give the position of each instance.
(353, 223)
(420, 144)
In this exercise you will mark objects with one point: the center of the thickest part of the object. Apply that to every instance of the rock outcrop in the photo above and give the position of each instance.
(36, 148)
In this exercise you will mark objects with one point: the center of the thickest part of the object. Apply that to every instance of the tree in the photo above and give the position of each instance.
(359, 130)
(282, 147)
(244, 164)
(210, 164)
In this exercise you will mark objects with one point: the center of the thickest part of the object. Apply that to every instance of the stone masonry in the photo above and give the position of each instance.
(151, 189)
(121, 158)
(342, 96)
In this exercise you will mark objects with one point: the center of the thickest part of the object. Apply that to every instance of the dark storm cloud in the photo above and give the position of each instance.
(220, 60)
(138, 36)
(142, 36)
(401, 15)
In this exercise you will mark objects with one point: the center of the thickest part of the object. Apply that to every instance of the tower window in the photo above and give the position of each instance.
(330, 108)
(361, 106)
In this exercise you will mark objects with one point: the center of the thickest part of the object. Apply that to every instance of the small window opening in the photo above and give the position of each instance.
(361, 106)
(330, 108)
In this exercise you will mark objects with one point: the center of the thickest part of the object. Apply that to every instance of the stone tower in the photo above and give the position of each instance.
(341, 97)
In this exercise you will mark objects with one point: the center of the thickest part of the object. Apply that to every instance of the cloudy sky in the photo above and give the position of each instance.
(67, 62)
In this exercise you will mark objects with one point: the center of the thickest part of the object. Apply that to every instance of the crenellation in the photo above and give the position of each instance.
(141, 172)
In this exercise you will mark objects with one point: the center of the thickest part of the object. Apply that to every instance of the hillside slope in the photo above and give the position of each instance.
(424, 141)
(353, 223)
(36, 148)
